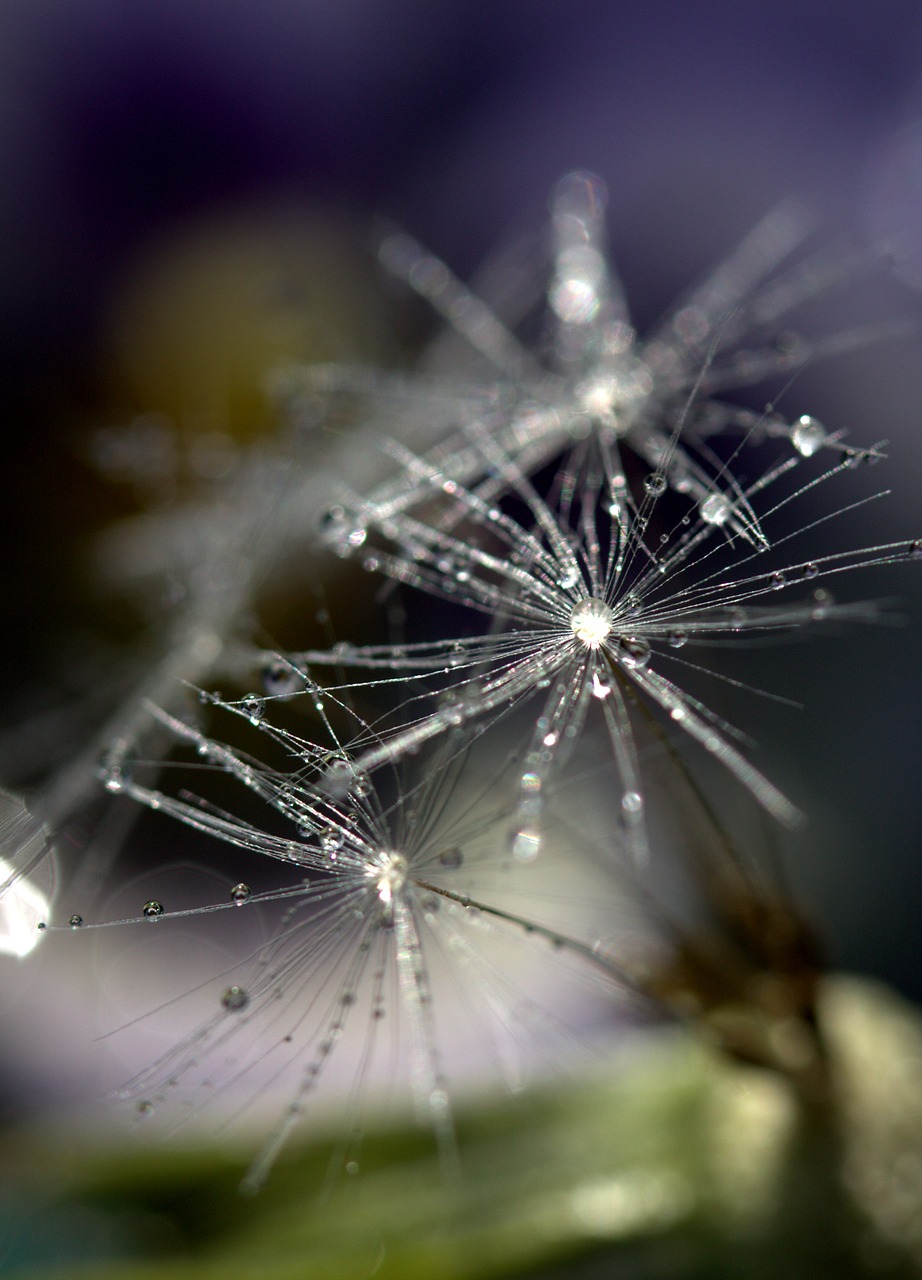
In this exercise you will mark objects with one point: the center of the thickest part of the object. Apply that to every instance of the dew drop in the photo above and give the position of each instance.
(152, 910)
(332, 517)
(331, 841)
(525, 844)
(677, 639)
(235, 999)
(634, 651)
(810, 570)
(715, 509)
(42, 926)
(777, 581)
(915, 549)
(655, 484)
(144, 1108)
(632, 803)
(807, 435)
(115, 779)
(338, 780)
(600, 689)
(280, 678)
(591, 621)
(451, 858)
(240, 894)
(822, 603)
(76, 922)
(253, 707)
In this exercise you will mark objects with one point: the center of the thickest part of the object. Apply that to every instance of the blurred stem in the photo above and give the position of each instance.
(677, 1164)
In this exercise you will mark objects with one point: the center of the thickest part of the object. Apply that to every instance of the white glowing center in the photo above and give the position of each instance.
(389, 873)
(591, 621)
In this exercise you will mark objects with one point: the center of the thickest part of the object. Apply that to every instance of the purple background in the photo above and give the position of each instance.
(454, 119)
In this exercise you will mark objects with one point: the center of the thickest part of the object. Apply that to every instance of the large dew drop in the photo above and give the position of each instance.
(591, 621)
(807, 435)
(715, 509)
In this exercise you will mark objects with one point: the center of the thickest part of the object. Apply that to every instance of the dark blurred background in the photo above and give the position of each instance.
(138, 142)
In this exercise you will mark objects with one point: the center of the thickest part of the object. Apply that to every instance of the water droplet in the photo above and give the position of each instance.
(807, 435)
(810, 570)
(76, 922)
(915, 549)
(114, 778)
(451, 858)
(526, 844)
(332, 841)
(634, 651)
(655, 484)
(632, 803)
(152, 910)
(677, 639)
(600, 689)
(822, 603)
(569, 578)
(280, 678)
(338, 779)
(240, 894)
(253, 707)
(144, 1108)
(332, 517)
(235, 999)
(715, 509)
(591, 621)
(777, 581)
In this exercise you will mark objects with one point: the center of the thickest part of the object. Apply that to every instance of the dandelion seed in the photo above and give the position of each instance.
(367, 940)
(583, 606)
(660, 397)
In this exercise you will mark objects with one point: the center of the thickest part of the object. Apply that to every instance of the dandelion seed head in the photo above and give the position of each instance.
(610, 397)
(388, 873)
(591, 621)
